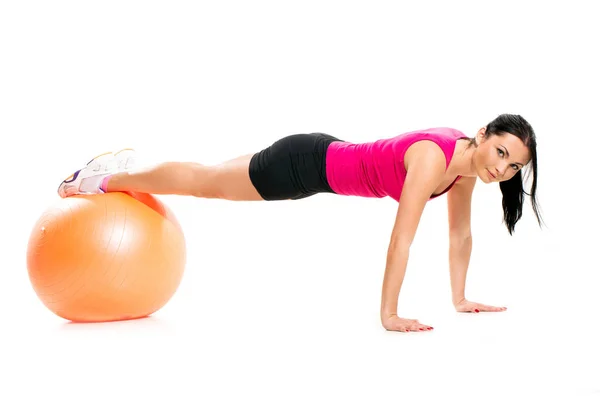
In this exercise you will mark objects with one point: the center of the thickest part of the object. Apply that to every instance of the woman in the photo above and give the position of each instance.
(412, 168)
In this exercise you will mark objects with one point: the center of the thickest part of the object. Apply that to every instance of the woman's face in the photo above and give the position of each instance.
(498, 158)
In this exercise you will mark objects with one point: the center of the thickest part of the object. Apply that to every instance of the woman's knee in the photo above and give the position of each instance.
(202, 181)
(228, 181)
(231, 180)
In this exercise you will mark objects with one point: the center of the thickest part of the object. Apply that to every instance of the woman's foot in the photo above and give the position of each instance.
(89, 179)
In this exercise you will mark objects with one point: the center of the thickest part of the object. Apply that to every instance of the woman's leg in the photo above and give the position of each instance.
(293, 167)
(114, 173)
(229, 180)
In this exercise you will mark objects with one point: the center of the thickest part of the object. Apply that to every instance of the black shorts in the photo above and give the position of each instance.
(292, 168)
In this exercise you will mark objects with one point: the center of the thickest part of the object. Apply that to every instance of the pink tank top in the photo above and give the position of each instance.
(376, 169)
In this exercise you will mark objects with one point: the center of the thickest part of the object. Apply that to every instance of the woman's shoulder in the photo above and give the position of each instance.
(434, 145)
(424, 152)
(440, 133)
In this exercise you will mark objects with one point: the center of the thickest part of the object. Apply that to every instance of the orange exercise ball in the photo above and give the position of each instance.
(106, 257)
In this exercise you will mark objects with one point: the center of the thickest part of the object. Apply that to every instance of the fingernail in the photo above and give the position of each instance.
(476, 310)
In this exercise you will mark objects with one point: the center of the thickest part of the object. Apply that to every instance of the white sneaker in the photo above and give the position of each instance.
(89, 179)
(125, 159)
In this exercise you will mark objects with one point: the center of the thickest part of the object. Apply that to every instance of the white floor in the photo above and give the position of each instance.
(281, 300)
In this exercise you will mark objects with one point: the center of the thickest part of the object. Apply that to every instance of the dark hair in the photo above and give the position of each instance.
(512, 189)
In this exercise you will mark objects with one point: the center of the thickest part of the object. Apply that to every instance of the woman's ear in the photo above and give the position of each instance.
(480, 135)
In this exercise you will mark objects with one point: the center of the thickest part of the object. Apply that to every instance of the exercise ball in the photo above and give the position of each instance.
(106, 257)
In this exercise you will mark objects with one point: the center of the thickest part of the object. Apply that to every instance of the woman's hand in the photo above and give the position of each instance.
(394, 323)
(468, 306)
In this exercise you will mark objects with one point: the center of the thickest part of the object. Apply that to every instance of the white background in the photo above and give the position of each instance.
(281, 300)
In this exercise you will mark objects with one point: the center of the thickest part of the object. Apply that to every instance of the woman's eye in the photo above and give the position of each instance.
(500, 152)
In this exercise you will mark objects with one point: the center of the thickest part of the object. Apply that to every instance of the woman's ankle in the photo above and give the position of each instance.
(104, 183)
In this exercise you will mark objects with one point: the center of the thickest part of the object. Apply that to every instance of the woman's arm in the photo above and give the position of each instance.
(459, 222)
(426, 164)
